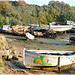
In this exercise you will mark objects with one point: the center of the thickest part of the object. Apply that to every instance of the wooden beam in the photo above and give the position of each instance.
(59, 64)
(65, 32)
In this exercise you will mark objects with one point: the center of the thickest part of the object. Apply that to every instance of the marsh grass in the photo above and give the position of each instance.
(3, 43)
(1, 65)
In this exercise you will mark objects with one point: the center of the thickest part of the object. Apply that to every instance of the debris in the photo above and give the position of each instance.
(30, 36)
(5, 51)
(20, 30)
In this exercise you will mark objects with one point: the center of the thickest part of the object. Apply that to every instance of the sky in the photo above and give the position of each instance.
(45, 2)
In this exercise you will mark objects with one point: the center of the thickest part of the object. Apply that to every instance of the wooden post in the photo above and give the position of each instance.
(59, 64)
(24, 56)
(49, 25)
(65, 32)
(31, 29)
(39, 23)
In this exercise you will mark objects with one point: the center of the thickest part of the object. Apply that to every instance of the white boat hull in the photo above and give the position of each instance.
(60, 28)
(36, 58)
(30, 36)
(57, 28)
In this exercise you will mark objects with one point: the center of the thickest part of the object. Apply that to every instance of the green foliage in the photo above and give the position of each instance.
(1, 21)
(0, 17)
(60, 11)
(5, 21)
(0, 64)
(15, 22)
(4, 5)
(20, 3)
(55, 11)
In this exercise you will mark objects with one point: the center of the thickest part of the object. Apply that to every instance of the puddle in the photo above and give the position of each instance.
(56, 43)
(16, 38)
(51, 43)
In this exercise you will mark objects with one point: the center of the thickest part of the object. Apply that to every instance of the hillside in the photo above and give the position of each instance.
(19, 14)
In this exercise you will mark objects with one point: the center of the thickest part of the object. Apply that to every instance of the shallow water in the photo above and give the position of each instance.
(57, 43)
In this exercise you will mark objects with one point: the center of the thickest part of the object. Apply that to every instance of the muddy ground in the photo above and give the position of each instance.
(20, 42)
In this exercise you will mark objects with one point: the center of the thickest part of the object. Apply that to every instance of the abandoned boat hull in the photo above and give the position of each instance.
(30, 36)
(53, 26)
(20, 30)
(38, 59)
(42, 31)
(6, 31)
(59, 28)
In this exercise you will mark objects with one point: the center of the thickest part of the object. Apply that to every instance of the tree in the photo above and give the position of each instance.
(20, 3)
(49, 18)
(42, 16)
(72, 15)
(63, 18)
(4, 5)
(0, 17)
(68, 7)
(15, 22)
(5, 21)
(1, 21)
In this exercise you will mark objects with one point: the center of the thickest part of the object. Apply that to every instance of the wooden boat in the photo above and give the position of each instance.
(54, 26)
(48, 60)
(20, 30)
(59, 27)
(71, 23)
(38, 27)
(30, 36)
(6, 29)
(42, 31)
(74, 26)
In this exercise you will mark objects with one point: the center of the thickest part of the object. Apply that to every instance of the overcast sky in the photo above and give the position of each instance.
(42, 2)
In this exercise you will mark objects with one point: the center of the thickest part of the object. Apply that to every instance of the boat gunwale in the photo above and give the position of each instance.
(41, 54)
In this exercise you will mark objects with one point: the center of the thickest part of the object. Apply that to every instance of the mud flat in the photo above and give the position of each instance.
(19, 42)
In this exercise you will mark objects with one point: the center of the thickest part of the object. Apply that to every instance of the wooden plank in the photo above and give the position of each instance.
(50, 68)
(48, 51)
(59, 64)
